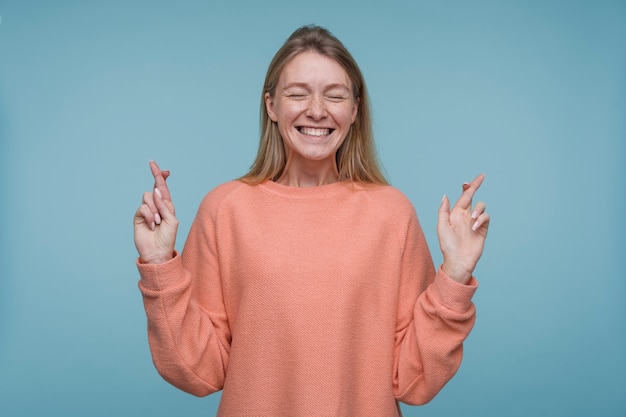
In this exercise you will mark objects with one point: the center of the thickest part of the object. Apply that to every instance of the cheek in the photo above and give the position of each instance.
(349, 116)
(346, 115)
(282, 113)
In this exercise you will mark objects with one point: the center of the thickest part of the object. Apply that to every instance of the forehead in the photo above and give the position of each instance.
(314, 69)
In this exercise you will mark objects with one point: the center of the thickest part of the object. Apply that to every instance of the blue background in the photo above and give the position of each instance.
(530, 92)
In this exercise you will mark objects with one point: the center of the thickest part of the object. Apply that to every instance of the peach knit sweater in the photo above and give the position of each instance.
(318, 301)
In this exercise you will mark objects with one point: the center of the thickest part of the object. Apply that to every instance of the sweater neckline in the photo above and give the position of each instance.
(319, 191)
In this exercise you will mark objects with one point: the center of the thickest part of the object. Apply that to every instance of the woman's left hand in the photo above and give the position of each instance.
(462, 232)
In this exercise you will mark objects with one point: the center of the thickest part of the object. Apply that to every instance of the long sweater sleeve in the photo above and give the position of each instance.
(188, 330)
(435, 317)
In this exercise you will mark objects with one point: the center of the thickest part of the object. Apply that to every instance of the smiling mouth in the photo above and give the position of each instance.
(317, 132)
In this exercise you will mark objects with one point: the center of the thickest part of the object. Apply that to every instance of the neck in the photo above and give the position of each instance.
(307, 173)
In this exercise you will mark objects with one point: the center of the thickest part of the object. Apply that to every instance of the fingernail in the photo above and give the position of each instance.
(443, 198)
(466, 185)
(475, 226)
(152, 226)
(475, 214)
(157, 218)
(156, 190)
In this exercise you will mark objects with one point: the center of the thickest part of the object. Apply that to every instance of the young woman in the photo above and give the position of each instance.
(306, 287)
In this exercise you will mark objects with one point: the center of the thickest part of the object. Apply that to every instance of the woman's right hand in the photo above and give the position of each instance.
(155, 221)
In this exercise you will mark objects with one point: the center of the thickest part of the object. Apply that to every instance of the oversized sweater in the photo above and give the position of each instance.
(319, 301)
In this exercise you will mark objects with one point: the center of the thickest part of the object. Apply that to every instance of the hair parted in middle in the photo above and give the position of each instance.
(356, 158)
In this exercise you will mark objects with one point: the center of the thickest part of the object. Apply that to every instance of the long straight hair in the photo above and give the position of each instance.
(356, 158)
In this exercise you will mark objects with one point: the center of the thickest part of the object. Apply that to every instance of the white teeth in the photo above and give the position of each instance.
(314, 132)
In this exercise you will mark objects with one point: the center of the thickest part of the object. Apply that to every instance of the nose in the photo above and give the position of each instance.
(317, 108)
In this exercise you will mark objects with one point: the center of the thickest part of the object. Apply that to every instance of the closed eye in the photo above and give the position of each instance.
(296, 96)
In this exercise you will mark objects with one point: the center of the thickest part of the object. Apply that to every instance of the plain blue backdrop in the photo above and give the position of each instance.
(533, 93)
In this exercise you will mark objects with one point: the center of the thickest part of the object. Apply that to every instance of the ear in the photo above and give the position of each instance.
(355, 110)
(269, 107)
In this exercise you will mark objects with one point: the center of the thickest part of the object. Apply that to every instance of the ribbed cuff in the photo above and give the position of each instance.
(454, 296)
(157, 277)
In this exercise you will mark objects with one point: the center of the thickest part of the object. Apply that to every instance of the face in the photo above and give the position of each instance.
(314, 109)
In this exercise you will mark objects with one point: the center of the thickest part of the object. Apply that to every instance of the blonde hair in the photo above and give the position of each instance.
(356, 158)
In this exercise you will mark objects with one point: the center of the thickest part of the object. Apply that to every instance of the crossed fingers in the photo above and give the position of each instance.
(159, 180)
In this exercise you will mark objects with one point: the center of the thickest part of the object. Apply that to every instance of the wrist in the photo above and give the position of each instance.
(459, 275)
(157, 259)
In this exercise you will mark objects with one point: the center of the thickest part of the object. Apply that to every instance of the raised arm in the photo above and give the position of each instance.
(433, 328)
(188, 331)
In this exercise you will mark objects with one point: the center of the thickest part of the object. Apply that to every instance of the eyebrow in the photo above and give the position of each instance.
(328, 87)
